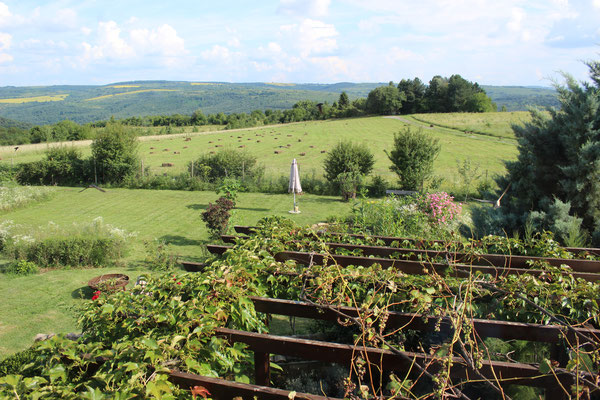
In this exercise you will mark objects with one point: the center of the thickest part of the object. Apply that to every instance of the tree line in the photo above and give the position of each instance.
(409, 96)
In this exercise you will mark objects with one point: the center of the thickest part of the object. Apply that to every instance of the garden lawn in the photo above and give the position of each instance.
(46, 303)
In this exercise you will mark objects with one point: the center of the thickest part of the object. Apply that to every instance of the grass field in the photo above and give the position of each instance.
(313, 139)
(497, 124)
(172, 216)
(45, 303)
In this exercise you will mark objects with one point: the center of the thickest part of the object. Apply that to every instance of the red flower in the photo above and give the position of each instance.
(179, 283)
(95, 297)
(97, 292)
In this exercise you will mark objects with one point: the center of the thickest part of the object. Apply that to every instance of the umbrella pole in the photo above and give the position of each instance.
(294, 200)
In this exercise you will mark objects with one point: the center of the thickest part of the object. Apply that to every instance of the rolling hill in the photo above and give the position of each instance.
(82, 104)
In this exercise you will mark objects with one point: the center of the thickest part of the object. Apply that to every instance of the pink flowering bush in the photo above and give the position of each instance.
(439, 207)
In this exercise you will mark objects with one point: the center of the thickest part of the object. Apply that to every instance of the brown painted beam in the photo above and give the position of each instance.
(417, 267)
(497, 260)
(401, 361)
(217, 249)
(221, 389)
(485, 328)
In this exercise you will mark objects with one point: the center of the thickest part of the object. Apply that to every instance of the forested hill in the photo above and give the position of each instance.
(50, 104)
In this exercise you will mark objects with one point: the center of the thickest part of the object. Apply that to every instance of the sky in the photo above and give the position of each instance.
(509, 42)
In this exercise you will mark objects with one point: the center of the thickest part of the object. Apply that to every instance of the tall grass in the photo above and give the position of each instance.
(12, 197)
(93, 244)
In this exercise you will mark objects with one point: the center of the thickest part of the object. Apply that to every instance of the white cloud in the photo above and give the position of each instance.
(110, 44)
(66, 18)
(311, 37)
(596, 3)
(304, 8)
(5, 42)
(163, 41)
(5, 14)
(218, 53)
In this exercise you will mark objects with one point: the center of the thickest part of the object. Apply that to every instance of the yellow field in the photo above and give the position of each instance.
(39, 99)
(106, 96)
(123, 86)
(204, 84)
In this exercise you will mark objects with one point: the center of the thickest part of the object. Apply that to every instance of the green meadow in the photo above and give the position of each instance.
(275, 146)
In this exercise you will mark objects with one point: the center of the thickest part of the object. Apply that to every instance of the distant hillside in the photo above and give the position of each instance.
(50, 104)
(10, 123)
(519, 98)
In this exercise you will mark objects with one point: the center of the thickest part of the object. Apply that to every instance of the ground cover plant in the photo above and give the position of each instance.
(142, 334)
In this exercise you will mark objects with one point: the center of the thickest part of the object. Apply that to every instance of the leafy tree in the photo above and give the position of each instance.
(348, 157)
(412, 158)
(227, 163)
(436, 95)
(384, 100)
(414, 93)
(559, 160)
(343, 101)
(114, 153)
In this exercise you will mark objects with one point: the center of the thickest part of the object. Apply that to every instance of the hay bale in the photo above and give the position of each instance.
(166, 150)
(151, 148)
(167, 164)
(187, 139)
(323, 151)
(176, 152)
(312, 147)
(242, 146)
(299, 140)
(277, 151)
(185, 147)
(302, 154)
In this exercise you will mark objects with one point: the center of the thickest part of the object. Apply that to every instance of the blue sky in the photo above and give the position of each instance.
(510, 42)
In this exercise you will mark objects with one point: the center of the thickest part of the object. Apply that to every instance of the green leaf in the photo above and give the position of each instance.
(545, 366)
(149, 342)
(107, 309)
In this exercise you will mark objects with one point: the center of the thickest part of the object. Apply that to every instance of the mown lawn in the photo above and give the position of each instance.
(46, 303)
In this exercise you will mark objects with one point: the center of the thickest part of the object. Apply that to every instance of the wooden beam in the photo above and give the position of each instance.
(221, 389)
(400, 361)
(497, 260)
(417, 267)
(395, 320)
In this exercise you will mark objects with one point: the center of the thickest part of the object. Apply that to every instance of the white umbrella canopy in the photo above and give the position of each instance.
(294, 185)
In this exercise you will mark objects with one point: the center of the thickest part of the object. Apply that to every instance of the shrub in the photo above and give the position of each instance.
(349, 184)
(95, 244)
(217, 216)
(22, 267)
(412, 158)
(226, 163)
(61, 166)
(114, 153)
(230, 188)
(14, 363)
(348, 157)
(392, 216)
(440, 207)
(377, 187)
(159, 256)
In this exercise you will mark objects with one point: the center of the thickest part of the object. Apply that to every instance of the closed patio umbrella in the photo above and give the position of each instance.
(294, 186)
